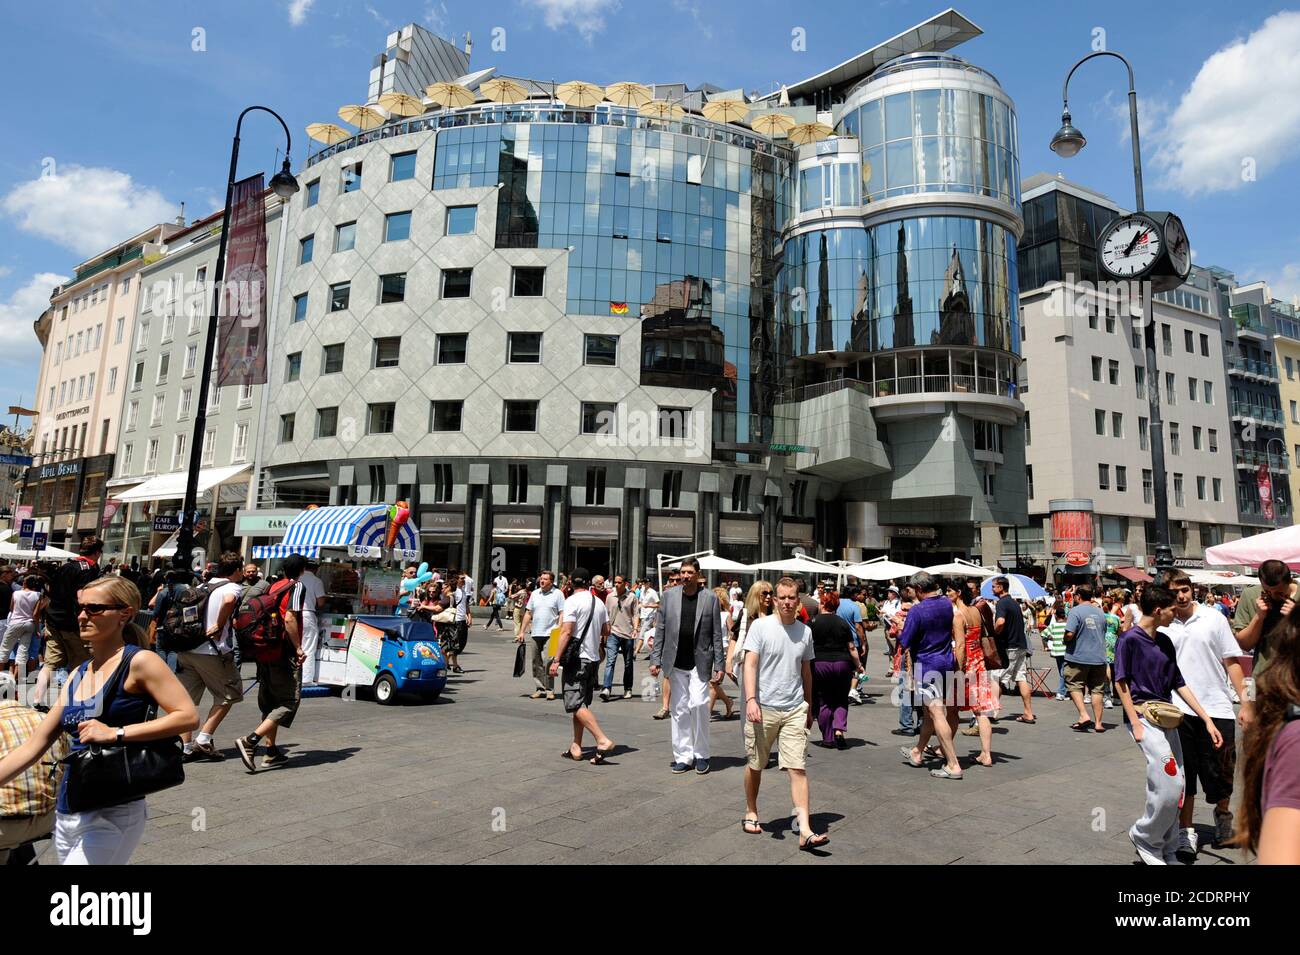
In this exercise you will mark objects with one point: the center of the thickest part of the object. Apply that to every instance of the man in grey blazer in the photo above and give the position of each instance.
(690, 638)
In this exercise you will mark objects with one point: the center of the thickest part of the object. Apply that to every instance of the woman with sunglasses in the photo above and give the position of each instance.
(758, 604)
(107, 836)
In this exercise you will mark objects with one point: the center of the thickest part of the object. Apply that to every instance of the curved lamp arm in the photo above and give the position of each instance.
(1132, 116)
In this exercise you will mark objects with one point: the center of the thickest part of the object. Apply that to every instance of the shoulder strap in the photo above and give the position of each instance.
(119, 677)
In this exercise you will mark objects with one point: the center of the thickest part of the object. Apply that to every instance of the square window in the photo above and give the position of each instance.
(452, 348)
(599, 417)
(340, 296)
(520, 416)
(332, 359)
(327, 422)
(351, 178)
(312, 194)
(397, 226)
(345, 237)
(445, 415)
(293, 366)
(456, 282)
(286, 428)
(300, 307)
(380, 418)
(525, 348)
(674, 422)
(387, 352)
(528, 282)
(402, 166)
(461, 220)
(305, 247)
(600, 350)
(392, 288)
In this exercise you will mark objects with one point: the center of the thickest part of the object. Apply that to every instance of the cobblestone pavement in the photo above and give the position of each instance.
(477, 777)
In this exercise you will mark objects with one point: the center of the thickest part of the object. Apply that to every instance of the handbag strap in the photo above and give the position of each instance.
(119, 678)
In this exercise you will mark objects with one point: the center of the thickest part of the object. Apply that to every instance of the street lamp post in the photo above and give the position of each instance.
(1066, 143)
(283, 185)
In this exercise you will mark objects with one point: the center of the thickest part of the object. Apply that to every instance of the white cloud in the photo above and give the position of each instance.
(19, 348)
(379, 17)
(1286, 285)
(688, 6)
(436, 16)
(298, 11)
(86, 209)
(585, 16)
(1240, 111)
(4, 270)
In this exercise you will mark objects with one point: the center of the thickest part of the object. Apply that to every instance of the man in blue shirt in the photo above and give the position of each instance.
(1085, 658)
(848, 612)
(927, 638)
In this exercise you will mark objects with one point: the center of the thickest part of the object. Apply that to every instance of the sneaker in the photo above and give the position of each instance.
(1223, 829)
(855, 696)
(274, 757)
(550, 695)
(247, 752)
(537, 695)
(1146, 855)
(1061, 698)
(1088, 698)
(701, 766)
(604, 695)
(971, 729)
(902, 731)
(661, 715)
(1108, 703)
(1186, 850)
(208, 751)
(627, 694)
(679, 768)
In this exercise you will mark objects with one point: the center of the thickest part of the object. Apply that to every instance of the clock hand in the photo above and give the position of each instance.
(1129, 250)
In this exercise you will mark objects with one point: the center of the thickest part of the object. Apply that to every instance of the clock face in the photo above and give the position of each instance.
(1130, 247)
(1180, 250)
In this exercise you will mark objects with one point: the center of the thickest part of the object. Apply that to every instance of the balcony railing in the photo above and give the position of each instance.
(554, 112)
(1253, 459)
(929, 384)
(1241, 409)
(1246, 318)
(1280, 509)
(1249, 366)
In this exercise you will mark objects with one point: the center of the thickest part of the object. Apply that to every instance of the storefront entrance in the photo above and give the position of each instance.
(596, 557)
(521, 560)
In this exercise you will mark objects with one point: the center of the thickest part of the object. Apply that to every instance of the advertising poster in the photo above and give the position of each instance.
(363, 654)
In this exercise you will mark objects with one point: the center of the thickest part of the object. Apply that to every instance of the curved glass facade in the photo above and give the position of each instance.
(926, 280)
(678, 230)
(947, 139)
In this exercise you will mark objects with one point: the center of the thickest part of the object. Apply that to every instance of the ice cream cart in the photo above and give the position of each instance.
(361, 644)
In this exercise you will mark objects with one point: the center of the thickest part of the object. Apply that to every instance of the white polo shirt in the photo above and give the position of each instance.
(1201, 644)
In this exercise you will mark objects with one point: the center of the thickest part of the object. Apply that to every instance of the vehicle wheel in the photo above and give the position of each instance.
(385, 689)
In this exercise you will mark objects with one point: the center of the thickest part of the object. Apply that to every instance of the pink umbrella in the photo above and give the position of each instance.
(1282, 544)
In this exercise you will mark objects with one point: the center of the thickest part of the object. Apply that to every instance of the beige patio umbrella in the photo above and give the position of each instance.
(362, 117)
(501, 90)
(327, 133)
(806, 133)
(450, 95)
(579, 95)
(402, 104)
(628, 94)
(661, 109)
(772, 124)
(725, 110)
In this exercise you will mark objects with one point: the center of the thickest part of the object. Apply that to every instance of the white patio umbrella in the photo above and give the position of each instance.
(880, 568)
(962, 568)
(713, 562)
(798, 565)
(9, 548)
(1220, 578)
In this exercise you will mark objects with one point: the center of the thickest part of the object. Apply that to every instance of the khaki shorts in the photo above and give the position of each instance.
(787, 729)
(218, 675)
(1085, 677)
(65, 648)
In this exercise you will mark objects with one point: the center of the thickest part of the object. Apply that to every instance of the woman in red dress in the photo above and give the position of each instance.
(978, 692)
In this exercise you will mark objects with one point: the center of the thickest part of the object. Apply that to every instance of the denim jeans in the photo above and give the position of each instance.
(1060, 674)
(616, 646)
(906, 717)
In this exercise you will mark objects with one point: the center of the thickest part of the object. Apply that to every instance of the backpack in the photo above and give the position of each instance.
(185, 624)
(259, 624)
(64, 584)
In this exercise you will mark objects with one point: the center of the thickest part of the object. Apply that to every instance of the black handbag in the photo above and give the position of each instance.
(110, 774)
(519, 660)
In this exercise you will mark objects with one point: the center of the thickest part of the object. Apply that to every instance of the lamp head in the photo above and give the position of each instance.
(1068, 139)
(283, 184)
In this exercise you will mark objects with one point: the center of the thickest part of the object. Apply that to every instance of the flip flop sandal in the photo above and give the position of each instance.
(815, 841)
(751, 827)
(1081, 726)
(601, 754)
(1098, 728)
(906, 752)
(1021, 719)
(944, 774)
(568, 754)
(932, 752)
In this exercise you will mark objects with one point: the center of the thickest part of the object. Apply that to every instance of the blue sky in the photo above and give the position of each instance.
(137, 121)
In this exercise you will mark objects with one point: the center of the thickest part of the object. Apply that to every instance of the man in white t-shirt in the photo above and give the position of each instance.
(211, 665)
(649, 615)
(541, 615)
(313, 590)
(586, 619)
(778, 706)
(1208, 658)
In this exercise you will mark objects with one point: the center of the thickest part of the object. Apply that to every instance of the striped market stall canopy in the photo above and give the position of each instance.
(361, 530)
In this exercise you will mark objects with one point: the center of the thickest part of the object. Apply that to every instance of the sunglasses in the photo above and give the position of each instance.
(94, 610)
(765, 593)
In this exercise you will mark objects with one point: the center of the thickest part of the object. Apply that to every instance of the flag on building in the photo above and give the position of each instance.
(241, 346)
(618, 308)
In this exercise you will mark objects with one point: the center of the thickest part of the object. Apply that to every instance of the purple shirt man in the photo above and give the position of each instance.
(927, 634)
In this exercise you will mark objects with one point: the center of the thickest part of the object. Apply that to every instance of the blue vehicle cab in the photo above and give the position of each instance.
(398, 654)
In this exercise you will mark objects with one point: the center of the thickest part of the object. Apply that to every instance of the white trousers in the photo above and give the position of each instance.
(100, 836)
(310, 639)
(690, 715)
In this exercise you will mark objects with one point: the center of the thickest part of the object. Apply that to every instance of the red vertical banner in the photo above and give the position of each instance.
(241, 348)
(1265, 482)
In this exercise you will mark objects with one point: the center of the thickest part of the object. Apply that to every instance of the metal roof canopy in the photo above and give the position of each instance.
(941, 32)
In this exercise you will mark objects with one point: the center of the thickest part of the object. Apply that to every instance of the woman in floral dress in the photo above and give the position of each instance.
(978, 692)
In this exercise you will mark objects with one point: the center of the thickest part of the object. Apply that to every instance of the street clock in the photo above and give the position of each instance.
(1146, 246)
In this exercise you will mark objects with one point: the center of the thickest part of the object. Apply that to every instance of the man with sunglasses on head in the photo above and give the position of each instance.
(64, 648)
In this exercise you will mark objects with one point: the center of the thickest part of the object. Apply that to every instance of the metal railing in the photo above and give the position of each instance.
(484, 114)
(1241, 409)
(1253, 459)
(1250, 366)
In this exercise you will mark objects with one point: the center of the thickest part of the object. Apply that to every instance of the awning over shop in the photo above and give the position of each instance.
(1135, 574)
(360, 529)
(171, 487)
(168, 547)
